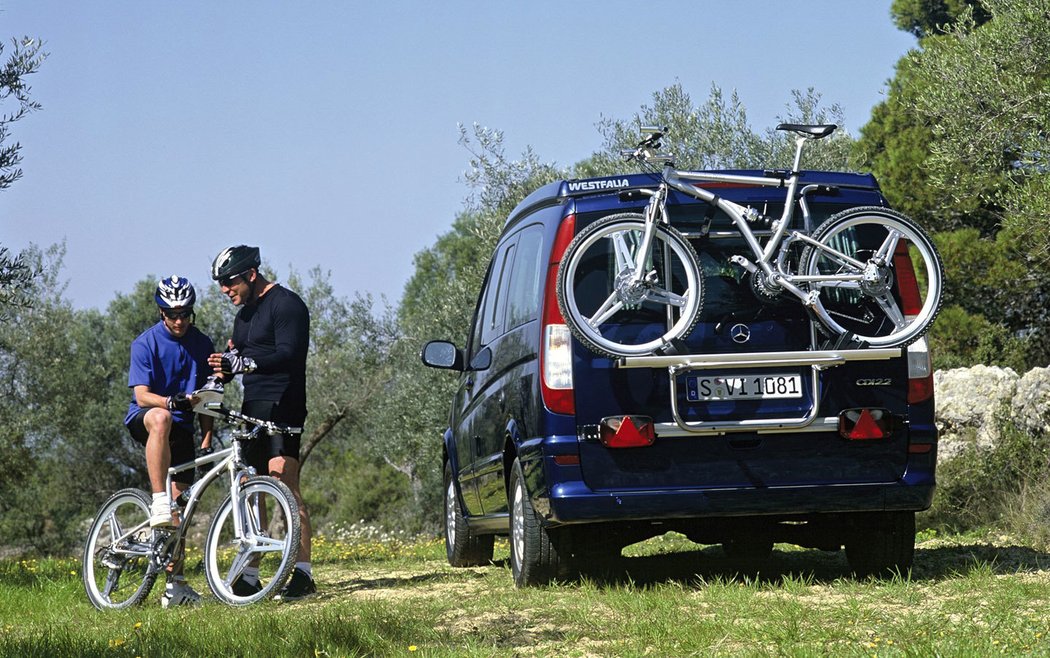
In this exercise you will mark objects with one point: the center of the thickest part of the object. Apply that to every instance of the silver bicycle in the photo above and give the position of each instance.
(868, 274)
(257, 524)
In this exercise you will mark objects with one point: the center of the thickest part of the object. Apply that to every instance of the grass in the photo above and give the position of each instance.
(966, 596)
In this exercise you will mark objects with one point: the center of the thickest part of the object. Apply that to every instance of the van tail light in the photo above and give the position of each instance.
(920, 369)
(556, 344)
(627, 432)
(865, 424)
(920, 372)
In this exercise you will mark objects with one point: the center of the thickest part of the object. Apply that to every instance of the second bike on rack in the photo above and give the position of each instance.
(870, 275)
(256, 525)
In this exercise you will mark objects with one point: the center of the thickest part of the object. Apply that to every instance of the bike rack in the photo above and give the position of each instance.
(816, 359)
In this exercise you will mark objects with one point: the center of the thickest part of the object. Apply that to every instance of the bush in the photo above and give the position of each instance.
(1003, 487)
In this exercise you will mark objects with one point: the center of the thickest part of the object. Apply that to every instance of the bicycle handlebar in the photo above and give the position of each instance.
(268, 425)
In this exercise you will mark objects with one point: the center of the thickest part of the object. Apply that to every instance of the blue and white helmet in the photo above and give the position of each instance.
(175, 292)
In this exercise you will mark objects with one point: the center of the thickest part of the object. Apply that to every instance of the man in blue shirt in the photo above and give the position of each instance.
(168, 361)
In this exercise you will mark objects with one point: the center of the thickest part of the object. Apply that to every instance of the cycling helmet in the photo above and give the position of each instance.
(175, 292)
(232, 261)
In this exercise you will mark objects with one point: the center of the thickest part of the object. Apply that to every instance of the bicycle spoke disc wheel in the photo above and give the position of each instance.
(895, 276)
(263, 532)
(115, 568)
(613, 311)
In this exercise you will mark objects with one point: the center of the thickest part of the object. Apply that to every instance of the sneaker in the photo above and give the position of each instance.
(301, 586)
(160, 514)
(242, 587)
(179, 593)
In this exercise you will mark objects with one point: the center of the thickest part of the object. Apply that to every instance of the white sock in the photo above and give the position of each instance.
(305, 568)
(250, 575)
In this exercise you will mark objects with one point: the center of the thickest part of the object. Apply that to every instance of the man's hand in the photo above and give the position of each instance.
(233, 363)
(180, 402)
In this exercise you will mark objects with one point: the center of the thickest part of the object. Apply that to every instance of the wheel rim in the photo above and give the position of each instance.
(450, 514)
(518, 525)
(266, 540)
(620, 241)
(871, 303)
(116, 573)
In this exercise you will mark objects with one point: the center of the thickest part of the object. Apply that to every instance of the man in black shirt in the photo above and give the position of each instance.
(271, 336)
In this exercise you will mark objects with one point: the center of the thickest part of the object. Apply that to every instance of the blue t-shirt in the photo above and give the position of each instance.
(169, 365)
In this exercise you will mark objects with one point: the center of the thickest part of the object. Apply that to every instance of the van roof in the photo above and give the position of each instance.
(558, 191)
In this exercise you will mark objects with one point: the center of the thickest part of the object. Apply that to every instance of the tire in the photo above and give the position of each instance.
(611, 317)
(116, 569)
(881, 545)
(275, 547)
(462, 547)
(872, 310)
(535, 558)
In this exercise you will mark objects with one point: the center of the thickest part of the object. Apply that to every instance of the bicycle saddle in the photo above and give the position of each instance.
(816, 132)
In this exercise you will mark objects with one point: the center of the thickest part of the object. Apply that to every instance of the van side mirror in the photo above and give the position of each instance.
(442, 354)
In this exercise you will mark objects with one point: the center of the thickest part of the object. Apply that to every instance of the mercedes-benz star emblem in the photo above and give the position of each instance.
(740, 333)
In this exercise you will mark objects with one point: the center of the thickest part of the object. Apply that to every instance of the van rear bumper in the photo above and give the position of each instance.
(573, 502)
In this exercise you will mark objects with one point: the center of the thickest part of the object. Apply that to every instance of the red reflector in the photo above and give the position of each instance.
(627, 432)
(864, 424)
(920, 448)
(907, 283)
(920, 389)
(567, 460)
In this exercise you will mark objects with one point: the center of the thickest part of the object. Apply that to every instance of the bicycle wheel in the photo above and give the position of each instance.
(611, 313)
(263, 533)
(897, 275)
(116, 567)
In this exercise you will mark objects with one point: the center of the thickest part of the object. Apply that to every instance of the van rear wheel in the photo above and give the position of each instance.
(882, 544)
(535, 558)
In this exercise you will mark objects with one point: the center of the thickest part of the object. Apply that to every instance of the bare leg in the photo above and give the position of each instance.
(286, 469)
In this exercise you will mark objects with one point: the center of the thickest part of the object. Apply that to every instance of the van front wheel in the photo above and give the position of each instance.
(462, 547)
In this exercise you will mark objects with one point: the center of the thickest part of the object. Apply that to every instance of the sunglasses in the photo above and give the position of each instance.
(182, 314)
(228, 281)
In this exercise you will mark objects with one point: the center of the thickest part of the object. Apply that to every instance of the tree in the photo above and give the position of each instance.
(985, 91)
(26, 58)
(924, 18)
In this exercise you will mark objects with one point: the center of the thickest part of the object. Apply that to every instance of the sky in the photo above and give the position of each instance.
(326, 132)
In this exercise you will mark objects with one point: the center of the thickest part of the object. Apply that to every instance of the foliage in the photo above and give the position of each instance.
(717, 134)
(26, 57)
(439, 302)
(16, 278)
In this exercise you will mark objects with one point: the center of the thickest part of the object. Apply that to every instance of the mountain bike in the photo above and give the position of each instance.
(870, 275)
(256, 525)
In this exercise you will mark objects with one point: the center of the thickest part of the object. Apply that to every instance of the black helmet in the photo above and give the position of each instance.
(175, 292)
(232, 261)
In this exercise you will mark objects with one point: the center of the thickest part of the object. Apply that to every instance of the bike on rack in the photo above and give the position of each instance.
(257, 524)
(870, 275)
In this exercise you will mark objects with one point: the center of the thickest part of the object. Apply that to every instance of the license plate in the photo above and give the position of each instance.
(743, 387)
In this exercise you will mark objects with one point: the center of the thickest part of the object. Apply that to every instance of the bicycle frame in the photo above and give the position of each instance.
(773, 268)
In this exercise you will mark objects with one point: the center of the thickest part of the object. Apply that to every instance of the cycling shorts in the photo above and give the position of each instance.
(183, 447)
(259, 452)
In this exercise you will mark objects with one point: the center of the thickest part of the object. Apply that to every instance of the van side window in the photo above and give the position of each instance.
(523, 298)
(489, 317)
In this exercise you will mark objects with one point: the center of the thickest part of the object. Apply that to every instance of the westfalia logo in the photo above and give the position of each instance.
(592, 185)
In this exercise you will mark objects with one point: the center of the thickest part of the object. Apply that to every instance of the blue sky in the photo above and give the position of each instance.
(326, 132)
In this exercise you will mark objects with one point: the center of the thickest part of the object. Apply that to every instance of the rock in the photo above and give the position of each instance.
(972, 403)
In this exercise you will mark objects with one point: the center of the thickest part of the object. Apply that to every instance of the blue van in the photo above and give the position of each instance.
(576, 455)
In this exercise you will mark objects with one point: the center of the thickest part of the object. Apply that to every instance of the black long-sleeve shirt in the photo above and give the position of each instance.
(275, 331)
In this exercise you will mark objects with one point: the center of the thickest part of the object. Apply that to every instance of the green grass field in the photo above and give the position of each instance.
(967, 596)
